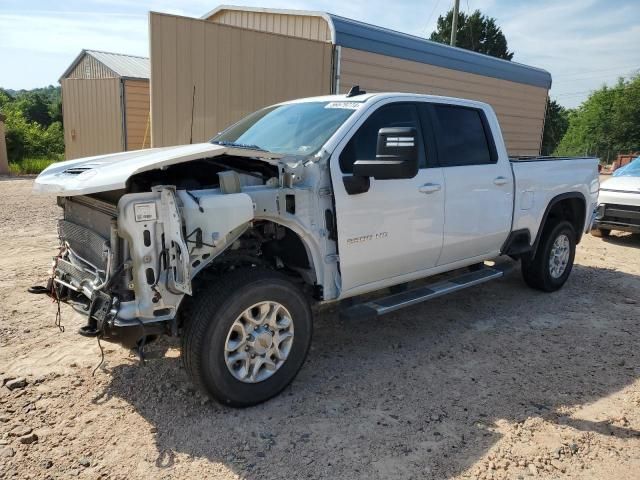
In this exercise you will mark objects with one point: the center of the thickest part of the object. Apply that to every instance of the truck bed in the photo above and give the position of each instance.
(540, 179)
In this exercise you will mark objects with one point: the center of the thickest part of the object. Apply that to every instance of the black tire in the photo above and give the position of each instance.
(208, 318)
(537, 272)
(601, 232)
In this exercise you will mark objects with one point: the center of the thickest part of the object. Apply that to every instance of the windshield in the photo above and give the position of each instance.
(292, 129)
(629, 170)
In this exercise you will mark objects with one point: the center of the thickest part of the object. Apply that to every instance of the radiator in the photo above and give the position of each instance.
(85, 243)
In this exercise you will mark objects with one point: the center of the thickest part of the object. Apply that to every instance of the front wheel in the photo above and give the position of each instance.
(553, 261)
(246, 336)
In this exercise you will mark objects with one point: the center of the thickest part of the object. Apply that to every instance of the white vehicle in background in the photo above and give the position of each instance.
(229, 244)
(619, 202)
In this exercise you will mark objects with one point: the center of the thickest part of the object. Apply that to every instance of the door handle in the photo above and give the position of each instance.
(500, 180)
(429, 188)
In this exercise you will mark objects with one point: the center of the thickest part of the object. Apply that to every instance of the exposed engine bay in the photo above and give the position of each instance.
(129, 256)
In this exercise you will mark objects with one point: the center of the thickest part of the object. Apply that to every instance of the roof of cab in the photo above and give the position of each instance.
(366, 97)
(349, 33)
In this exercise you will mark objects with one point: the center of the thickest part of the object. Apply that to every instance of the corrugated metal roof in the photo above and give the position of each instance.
(126, 66)
(371, 38)
(130, 66)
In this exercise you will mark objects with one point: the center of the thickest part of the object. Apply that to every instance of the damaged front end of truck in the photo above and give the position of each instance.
(128, 268)
(137, 230)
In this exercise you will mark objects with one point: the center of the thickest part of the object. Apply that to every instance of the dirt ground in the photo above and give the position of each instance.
(498, 381)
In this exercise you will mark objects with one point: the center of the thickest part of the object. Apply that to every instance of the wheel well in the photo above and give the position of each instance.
(571, 209)
(289, 248)
(568, 206)
(270, 245)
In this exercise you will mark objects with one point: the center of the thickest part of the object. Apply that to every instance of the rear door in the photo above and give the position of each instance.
(479, 187)
(395, 228)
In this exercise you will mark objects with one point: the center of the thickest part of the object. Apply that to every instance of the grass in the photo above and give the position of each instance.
(28, 166)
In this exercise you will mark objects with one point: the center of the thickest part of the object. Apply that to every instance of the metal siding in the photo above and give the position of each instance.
(184, 93)
(234, 71)
(350, 33)
(370, 38)
(92, 114)
(198, 57)
(302, 26)
(136, 108)
(89, 67)
(155, 46)
(520, 108)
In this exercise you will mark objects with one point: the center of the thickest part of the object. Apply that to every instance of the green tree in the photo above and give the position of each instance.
(33, 123)
(606, 124)
(556, 121)
(35, 108)
(476, 32)
(5, 99)
(55, 110)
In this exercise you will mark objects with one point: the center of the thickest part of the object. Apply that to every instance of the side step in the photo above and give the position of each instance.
(397, 301)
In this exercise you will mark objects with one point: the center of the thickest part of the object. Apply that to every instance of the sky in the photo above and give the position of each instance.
(583, 43)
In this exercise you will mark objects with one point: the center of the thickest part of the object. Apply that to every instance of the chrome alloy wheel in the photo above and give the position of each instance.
(559, 257)
(259, 342)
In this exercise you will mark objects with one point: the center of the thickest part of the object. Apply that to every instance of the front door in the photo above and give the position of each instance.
(396, 227)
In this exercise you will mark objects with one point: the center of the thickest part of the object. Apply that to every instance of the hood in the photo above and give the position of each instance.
(622, 184)
(110, 172)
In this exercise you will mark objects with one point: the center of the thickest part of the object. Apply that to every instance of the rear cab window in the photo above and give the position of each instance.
(462, 136)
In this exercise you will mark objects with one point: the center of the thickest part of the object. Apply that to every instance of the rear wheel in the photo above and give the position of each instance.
(601, 232)
(553, 261)
(246, 336)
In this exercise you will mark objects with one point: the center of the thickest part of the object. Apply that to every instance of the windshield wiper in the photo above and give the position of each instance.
(239, 145)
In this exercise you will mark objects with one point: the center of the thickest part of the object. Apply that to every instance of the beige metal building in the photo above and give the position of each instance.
(105, 104)
(207, 73)
(205, 76)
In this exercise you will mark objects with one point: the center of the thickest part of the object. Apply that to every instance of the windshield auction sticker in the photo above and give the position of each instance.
(346, 105)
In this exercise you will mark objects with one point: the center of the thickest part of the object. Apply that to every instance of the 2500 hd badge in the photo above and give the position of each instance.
(366, 238)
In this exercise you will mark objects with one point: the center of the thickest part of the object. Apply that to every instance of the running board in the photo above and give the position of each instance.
(380, 306)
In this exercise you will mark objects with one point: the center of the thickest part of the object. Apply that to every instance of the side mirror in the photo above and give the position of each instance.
(396, 155)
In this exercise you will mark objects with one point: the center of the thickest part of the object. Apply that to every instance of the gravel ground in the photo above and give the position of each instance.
(498, 381)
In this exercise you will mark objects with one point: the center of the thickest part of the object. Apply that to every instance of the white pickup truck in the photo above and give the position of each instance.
(229, 244)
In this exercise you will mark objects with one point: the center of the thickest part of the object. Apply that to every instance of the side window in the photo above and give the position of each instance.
(362, 145)
(463, 137)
